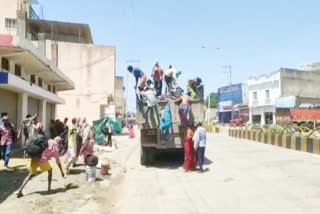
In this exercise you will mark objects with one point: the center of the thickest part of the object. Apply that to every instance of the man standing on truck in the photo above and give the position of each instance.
(140, 77)
(157, 75)
(150, 96)
(200, 140)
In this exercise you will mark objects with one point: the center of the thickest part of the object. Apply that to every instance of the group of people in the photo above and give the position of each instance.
(158, 75)
(74, 141)
(151, 90)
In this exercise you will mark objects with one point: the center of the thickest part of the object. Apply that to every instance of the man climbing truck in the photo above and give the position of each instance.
(153, 137)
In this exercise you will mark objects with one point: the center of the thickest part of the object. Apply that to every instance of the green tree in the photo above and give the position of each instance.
(213, 100)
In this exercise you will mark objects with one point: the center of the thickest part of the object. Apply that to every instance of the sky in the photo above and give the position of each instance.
(199, 37)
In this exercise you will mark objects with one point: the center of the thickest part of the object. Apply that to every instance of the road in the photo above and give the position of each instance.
(243, 177)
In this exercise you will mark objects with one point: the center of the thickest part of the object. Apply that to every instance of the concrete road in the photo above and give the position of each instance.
(243, 177)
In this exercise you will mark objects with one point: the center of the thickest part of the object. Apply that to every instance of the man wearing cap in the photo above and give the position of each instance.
(157, 75)
(7, 136)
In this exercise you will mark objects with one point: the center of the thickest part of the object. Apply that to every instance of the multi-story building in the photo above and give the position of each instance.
(67, 49)
(232, 102)
(285, 88)
(29, 81)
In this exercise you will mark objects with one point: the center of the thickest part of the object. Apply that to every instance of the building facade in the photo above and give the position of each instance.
(284, 89)
(29, 81)
(66, 49)
(232, 102)
(119, 96)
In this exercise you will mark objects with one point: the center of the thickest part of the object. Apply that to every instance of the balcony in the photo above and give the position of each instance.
(16, 84)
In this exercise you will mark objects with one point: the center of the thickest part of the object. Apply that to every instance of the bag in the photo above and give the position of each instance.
(35, 145)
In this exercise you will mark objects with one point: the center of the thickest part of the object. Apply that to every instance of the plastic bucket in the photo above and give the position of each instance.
(91, 173)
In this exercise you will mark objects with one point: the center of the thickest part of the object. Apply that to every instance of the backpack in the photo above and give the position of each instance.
(35, 145)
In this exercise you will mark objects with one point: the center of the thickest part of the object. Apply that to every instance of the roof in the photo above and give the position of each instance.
(60, 31)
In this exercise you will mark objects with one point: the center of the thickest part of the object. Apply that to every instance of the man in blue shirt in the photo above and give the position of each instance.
(139, 76)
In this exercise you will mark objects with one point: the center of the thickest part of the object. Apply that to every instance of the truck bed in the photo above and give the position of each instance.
(150, 132)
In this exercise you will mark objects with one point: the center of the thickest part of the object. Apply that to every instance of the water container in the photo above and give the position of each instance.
(91, 173)
(105, 166)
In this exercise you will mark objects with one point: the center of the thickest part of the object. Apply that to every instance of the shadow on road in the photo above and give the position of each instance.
(172, 160)
(55, 191)
(11, 180)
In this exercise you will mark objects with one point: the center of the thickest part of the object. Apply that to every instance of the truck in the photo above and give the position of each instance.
(150, 141)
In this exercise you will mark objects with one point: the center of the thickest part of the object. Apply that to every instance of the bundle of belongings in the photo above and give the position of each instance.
(195, 89)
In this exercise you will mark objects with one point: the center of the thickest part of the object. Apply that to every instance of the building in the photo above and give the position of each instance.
(69, 49)
(119, 96)
(284, 89)
(29, 81)
(232, 102)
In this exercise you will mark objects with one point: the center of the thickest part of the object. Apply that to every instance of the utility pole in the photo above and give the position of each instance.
(229, 67)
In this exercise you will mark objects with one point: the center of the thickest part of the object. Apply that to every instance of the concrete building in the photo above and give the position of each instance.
(68, 50)
(91, 67)
(285, 88)
(29, 81)
(119, 96)
(232, 102)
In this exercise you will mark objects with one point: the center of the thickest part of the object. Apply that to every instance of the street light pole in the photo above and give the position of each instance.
(230, 82)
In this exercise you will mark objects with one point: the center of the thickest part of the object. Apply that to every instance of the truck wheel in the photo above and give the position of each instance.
(144, 156)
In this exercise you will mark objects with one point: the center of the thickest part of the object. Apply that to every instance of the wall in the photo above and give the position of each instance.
(226, 94)
(262, 83)
(300, 83)
(119, 94)
(92, 69)
(8, 104)
(8, 10)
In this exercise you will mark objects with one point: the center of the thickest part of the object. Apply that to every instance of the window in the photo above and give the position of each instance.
(54, 89)
(5, 64)
(267, 94)
(10, 23)
(39, 82)
(17, 70)
(255, 95)
(33, 79)
(49, 87)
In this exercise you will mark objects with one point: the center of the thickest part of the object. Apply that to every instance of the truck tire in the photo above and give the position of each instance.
(143, 156)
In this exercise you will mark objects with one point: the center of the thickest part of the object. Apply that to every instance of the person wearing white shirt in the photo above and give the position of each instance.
(200, 140)
(150, 97)
(170, 77)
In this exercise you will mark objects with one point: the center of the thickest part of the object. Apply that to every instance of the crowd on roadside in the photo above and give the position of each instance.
(149, 91)
(74, 141)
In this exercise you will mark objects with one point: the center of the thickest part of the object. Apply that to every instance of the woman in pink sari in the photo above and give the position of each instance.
(189, 153)
(87, 147)
(131, 132)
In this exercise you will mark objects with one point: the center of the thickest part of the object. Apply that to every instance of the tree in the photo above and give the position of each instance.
(213, 100)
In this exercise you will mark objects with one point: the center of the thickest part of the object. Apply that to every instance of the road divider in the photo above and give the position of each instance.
(298, 143)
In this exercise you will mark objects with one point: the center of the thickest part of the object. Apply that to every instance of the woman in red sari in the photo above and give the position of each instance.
(189, 153)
